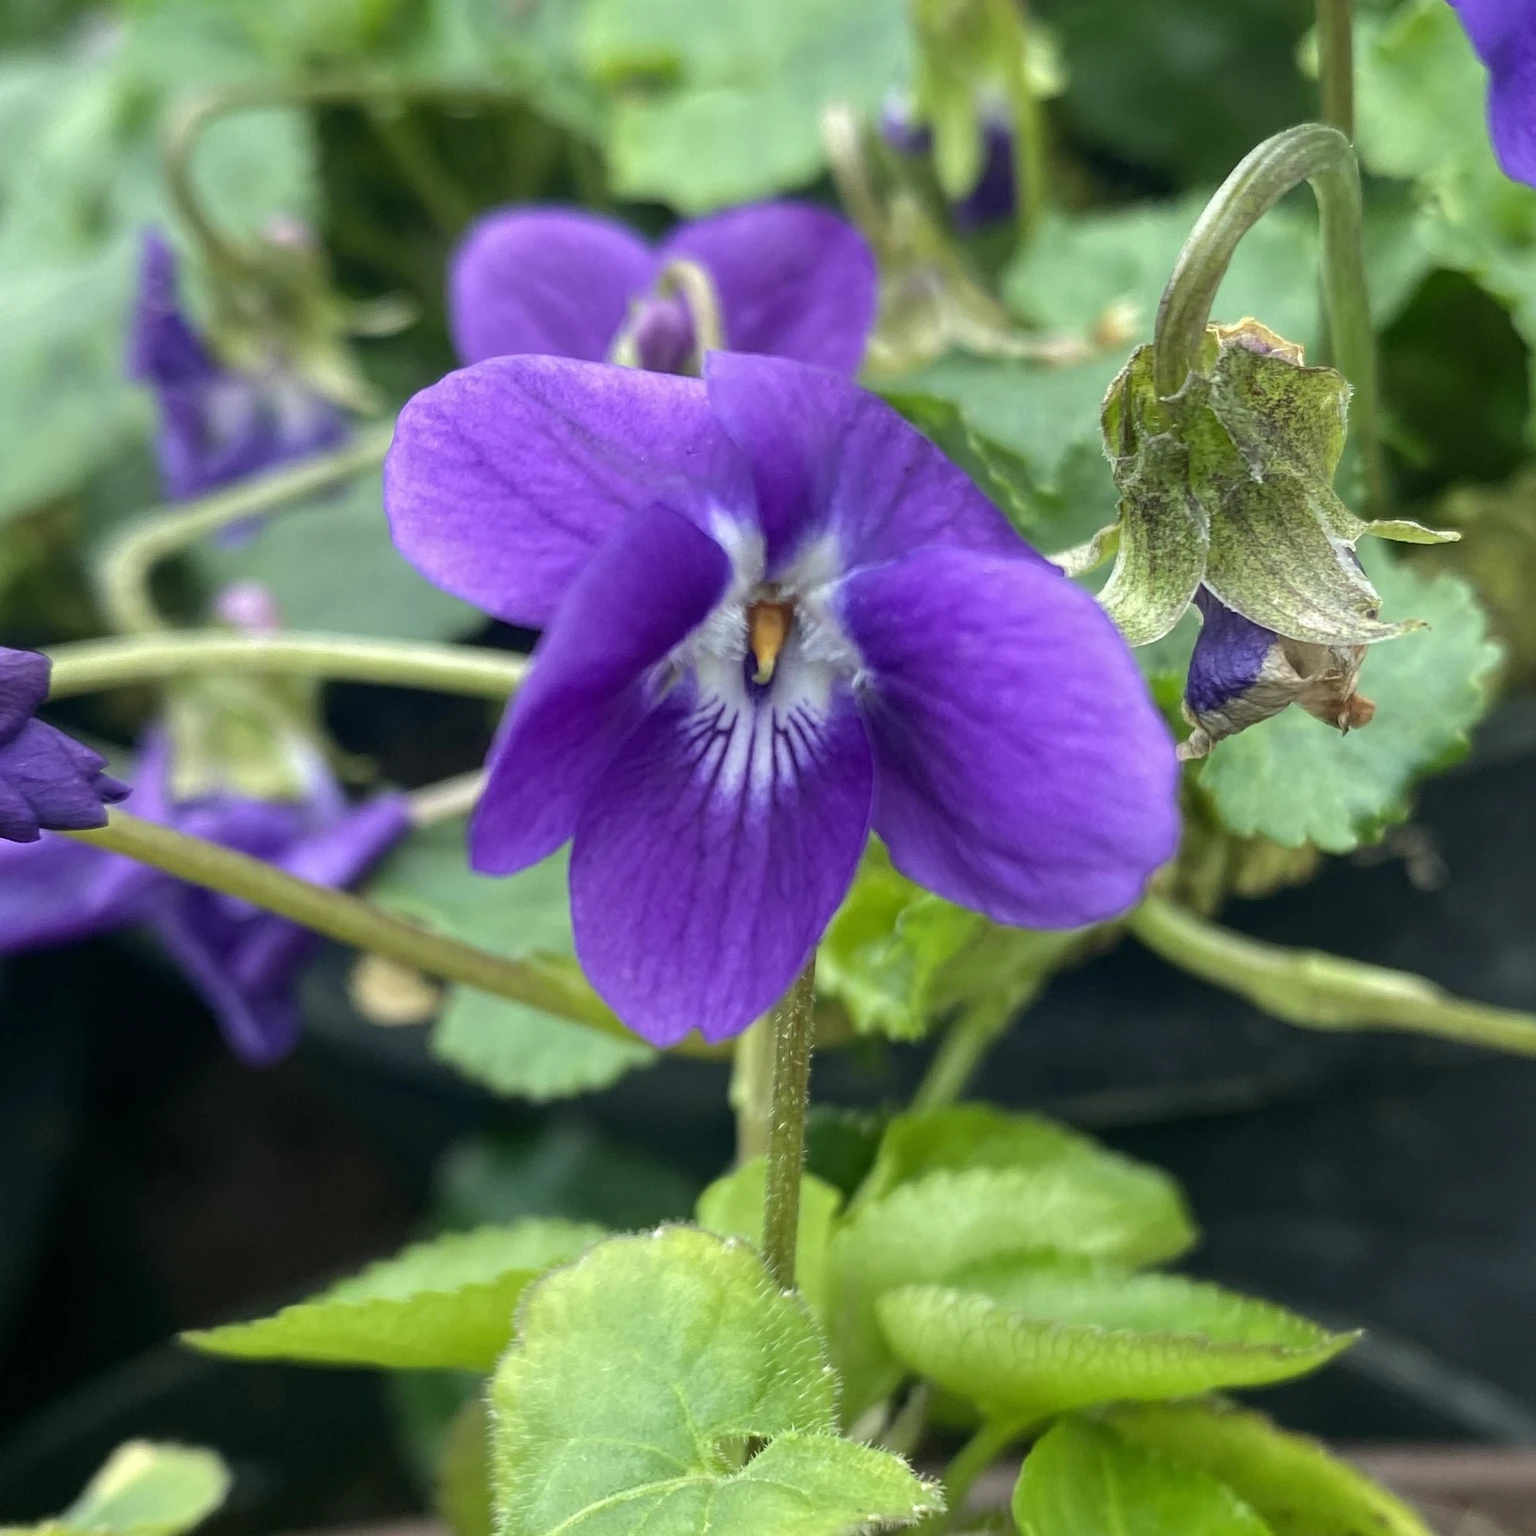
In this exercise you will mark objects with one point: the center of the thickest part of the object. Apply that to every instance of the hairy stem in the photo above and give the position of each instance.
(1312, 153)
(1336, 63)
(351, 920)
(124, 567)
(1322, 991)
(89, 666)
(793, 1023)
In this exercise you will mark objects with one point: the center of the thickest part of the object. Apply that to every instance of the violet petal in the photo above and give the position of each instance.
(505, 477)
(711, 855)
(793, 280)
(655, 579)
(23, 688)
(544, 280)
(1021, 768)
(829, 456)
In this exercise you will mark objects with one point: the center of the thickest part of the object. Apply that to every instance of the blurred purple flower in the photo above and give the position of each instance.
(792, 280)
(47, 779)
(217, 424)
(242, 961)
(1241, 673)
(1504, 34)
(993, 198)
(774, 617)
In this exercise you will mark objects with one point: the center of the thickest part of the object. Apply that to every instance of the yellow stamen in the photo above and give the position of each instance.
(767, 630)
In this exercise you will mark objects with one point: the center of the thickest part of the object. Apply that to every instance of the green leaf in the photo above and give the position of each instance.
(1024, 1339)
(936, 1227)
(507, 1046)
(332, 566)
(142, 1489)
(733, 1207)
(1085, 1480)
(717, 104)
(637, 1380)
(1294, 780)
(448, 1302)
(1290, 1480)
(885, 946)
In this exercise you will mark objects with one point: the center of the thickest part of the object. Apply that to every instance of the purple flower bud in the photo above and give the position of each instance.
(993, 198)
(47, 779)
(249, 606)
(663, 333)
(1504, 34)
(217, 424)
(1241, 673)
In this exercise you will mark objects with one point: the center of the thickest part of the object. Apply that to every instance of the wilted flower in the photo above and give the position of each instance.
(47, 780)
(1241, 673)
(217, 424)
(790, 279)
(775, 617)
(1504, 34)
(242, 961)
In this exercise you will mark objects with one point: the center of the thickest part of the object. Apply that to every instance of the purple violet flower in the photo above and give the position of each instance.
(217, 424)
(47, 779)
(242, 961)
(775, 617)
(993, 198)
(1241, 673)
(1504, 34)
(792, 281)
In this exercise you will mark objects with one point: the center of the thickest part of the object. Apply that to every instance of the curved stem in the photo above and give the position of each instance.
(1320, 155)
(188, 126)
(974, 1457)
(89, 666)
(351, 920)
(1336, 63)
(960, 1052)
(793, 1022)
(447, 799)
(1322, 991)
(124, 566)
(1031, 165)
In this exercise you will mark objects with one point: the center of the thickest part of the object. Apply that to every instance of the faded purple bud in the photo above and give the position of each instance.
(1241, 673)
(47, 780)
(994, 197)
(249, 606)
(662, 333)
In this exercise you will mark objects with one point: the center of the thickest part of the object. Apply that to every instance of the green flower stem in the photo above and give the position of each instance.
(793, 1022)
(351, 920)
(449, 208)
(90, 666)
(124, 568)
(189, 125)
(1031, 164)
(1320, 155)
(960, 1052)
(974, 1457)
(751, 1090)
(1321, 991)
(1336, 63)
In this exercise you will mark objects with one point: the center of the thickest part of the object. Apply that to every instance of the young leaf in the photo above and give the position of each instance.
(142, 1489)
(510, 1048)
(1028, 1339)
(1292, 1481)
(1085, 1480)
(448, 1302)
(1295, 781)
(935, 1228)
(733, 1207)
(638, 1381)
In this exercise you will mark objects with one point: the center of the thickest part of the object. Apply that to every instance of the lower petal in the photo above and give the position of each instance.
(1021, 768)
(1512, 106)
(653, 581)
(712, 854)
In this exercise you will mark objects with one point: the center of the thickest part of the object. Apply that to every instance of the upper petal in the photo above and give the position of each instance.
(711, 855)
(1021, 768)
(23, 688)
(827, 456)
(794, 280)
(504, 478)
(544, 280)
(1512, 100)
(655, 579)
(1493, 25)
(163, 349)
